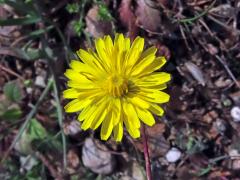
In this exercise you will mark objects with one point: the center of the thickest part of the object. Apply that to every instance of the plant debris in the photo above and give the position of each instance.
(198, 136)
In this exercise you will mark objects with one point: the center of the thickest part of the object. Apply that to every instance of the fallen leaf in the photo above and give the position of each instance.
(96, 157)
(148, 17)
(127, 17)
(95, 26)
(196, 73)
(73, 159)
(158, 145)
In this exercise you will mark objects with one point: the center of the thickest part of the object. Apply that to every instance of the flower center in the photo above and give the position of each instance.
(117, 85)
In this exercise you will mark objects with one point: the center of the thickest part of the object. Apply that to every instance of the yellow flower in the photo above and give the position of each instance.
(116, 86)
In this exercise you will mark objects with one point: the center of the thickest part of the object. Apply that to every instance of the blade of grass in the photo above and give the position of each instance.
(190, 20)
(20, 21)
(28, 118)
(40, 31)
(50, 60)
(21, 7)
(60, 122)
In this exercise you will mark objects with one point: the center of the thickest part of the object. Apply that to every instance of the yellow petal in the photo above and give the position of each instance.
(138, 43)
(156, 109)
(94, 115)
(134, 52)
(107, 127)
(153, 66)
(119, 41)
(118, 51)
(134, 132)
(131, 114)
(118, 131)
(102, 64)
(108, 44)
(155, 96)
(143, 64)
(80, 85)
(127, 43)
(90, 60)
(137, 101)
(154, 79)
(96, 123)
(152, 50)
(86, 112)
(74, 106)
(145, 116)
(155, 87)
(101, 51)
(117, 110)
(70, 93)
(79, 66)
(73, 75)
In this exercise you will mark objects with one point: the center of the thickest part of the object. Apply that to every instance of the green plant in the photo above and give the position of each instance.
(104, 13)
(73, 8)
(78, 27)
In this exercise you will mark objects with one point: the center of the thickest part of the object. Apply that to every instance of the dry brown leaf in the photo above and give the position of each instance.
(158, 145)
(127, 17)
(147, 16)
(95, 26)
(196, 72)
(73, 159)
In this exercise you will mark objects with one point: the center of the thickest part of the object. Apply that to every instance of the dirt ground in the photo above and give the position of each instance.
(197, 138)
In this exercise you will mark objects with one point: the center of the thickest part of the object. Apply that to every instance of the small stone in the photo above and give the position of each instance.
(134, 171)
(233, 153)
(220, 125)
(73, 160)
(235, 113)
(212, 49)
(235, 97)
(72, 128)
(210, 116)
(236, 164)
(27, 162)
(173, 155)
(29, 90)
(40, 81)
(222, 83)
(97, 158)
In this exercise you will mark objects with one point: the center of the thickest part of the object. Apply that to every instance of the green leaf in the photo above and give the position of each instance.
(40, 31)
(29, 54)
(73, 8)
(78, 27)
(20, 21)
(104, 13)
(12, 91)
(36, 130)
(204, 171)
(22, 7)
(12, 114)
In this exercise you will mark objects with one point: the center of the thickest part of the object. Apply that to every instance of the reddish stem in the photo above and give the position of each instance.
(146, 154)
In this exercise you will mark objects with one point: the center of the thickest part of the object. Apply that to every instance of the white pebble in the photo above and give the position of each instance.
(29, 90)
(97, 158)
(235, 113)
(40, 81)
(173, 155)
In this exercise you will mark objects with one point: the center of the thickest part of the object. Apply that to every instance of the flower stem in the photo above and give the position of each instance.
(146, 154)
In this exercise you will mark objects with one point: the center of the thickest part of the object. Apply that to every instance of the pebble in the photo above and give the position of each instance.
(72, 128)
(173, 155)
(235, 113)
(97, 158)
(27, 162)
(39, 81)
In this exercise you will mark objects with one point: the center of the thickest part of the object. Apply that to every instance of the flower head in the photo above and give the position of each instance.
(116, 86)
